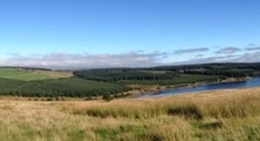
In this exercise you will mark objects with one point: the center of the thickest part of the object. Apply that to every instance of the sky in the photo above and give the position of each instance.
(76, 34)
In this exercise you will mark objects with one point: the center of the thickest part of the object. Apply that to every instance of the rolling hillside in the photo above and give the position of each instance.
(30, 74)
(31, 82)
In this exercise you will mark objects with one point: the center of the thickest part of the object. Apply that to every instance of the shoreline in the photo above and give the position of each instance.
(141, 90)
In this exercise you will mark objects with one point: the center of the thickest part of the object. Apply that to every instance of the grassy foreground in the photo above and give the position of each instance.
(232, 115)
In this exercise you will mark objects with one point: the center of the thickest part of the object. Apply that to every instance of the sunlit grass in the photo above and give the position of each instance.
(211, 116)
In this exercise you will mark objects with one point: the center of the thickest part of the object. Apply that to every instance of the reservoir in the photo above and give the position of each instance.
(255, 82)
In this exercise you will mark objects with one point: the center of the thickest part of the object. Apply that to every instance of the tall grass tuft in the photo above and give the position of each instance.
(189, 111)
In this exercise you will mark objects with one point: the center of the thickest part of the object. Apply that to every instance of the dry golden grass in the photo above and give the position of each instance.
(218, 115)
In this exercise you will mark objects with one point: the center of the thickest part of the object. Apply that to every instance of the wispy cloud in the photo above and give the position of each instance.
(248, 57)
(199, 56)
(201, 60)
(131, 59)
(245, 58)
(251, 45)
(191, 50)
(228, 50)
(253, 48)
(79, 61)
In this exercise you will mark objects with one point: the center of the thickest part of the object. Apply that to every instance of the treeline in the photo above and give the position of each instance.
(124, 74)
(181, 79)
(211, 66)
(226, 73)
(171, 72)
(220, 69)
(144, 76)
(73, 87)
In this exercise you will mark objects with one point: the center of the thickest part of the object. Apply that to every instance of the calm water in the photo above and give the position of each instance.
(245, 84)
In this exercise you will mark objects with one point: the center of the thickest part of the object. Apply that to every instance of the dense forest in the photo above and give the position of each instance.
(172, 74)
(223, 69)
(72, 87)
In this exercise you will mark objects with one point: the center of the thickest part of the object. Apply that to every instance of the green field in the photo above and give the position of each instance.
(31, 74)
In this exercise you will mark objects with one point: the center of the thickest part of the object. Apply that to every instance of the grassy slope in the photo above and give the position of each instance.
(29, 75)
(222, 115)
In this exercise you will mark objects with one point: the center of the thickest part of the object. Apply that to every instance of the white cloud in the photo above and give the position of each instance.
(253, 48)
(248, 57)
(80, 61)
(191, 50)
(131, 59)
(228, 50)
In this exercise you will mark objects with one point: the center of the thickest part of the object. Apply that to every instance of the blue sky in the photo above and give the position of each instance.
(33, 30)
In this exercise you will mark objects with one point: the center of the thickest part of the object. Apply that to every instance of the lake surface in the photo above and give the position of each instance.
(233, 85)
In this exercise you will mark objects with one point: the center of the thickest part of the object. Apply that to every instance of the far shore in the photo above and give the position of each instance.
(141, 90)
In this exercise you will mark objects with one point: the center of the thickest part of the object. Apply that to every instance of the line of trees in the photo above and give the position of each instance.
(226, 73)
(111, 76)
